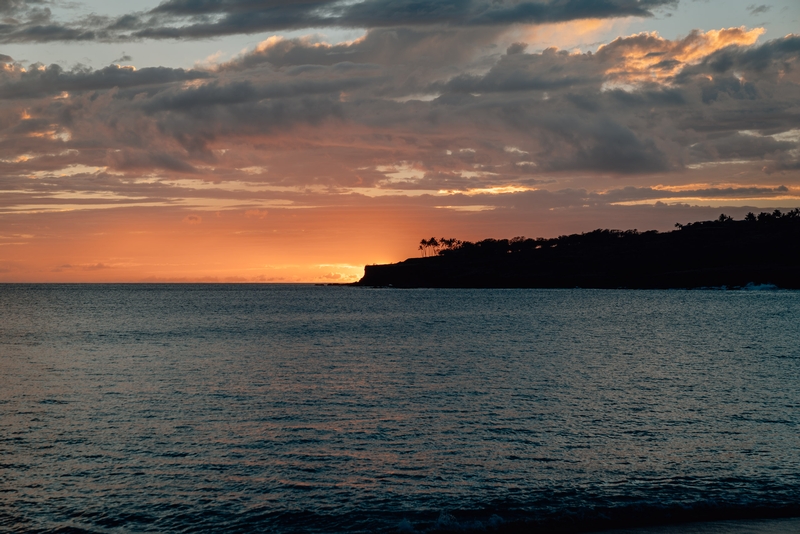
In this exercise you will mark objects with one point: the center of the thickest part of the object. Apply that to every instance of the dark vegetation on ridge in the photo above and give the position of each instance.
(762, 249)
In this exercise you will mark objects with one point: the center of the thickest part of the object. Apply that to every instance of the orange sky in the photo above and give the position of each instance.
(302, 245)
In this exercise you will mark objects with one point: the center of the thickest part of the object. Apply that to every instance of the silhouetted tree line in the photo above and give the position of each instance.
(763, 248)
(521, 244)
(433, 246)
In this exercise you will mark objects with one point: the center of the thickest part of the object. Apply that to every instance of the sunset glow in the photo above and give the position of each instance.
(305, 140)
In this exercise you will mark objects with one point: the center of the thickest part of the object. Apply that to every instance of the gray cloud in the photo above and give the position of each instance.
(550, 70)
(773, 56)
(147, 160)
(758, 10)
(38, 82)
(31, 21)
(215, 94)
(196, 19)
(414, 46)
(247, 16)
(10, 7)
(393, 111)
(738, 146)
(613, 147)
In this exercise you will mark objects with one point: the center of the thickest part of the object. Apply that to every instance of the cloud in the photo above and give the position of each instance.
(647, 56)
(41, 81)
(131, 159)
(630, 195)
(395, 46)
(612, 147)
(772, 58)
(31, 21)
(740, 146)
(95, 267)
(181, 19)
(256, 214)
(758, 10)
(547, 71)
(447, 113)
(398, 112)
(124, 58)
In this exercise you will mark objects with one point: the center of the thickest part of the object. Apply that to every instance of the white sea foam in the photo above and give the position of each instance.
(759, 287)
(759, 526)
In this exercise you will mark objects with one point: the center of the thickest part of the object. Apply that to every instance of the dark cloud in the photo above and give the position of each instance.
(758, 10)
(406, 110)
(739, 146)
(198, 19)
(628, 194)
(412, 10)
(667, 64)
(516, 48)
(127, 160)
(43, 33)
(396, 46)
(37, 82)
(770, 58)
(124, 58)
(11, 7)
(30, 126)
(31, 21)
(215, 94)
(552, 69)
(206, 7)
(604, 145)
(247, 16)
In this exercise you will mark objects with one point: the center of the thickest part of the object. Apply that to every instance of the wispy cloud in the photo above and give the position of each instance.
(758, 9)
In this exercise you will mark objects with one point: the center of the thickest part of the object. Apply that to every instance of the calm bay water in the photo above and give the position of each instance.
(183, 408)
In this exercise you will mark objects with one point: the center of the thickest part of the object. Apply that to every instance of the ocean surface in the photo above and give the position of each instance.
(281, 408)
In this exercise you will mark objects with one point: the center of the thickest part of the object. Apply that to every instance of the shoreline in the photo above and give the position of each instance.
(736, 526)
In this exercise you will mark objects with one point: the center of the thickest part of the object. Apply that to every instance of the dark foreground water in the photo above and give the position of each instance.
(180, 408)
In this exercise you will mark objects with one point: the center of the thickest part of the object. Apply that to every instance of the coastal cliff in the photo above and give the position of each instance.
(763, 249)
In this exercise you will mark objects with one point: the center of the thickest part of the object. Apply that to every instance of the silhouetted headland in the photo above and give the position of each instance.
(759, 250)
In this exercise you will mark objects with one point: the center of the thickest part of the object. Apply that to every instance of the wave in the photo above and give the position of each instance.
(576, 521)
(760, 287)
(750, 286)
(570, 520)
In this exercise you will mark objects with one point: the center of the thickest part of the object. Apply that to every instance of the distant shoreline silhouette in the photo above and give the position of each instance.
(761, 250)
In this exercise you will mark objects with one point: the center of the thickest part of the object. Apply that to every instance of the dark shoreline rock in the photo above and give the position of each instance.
(706, 254)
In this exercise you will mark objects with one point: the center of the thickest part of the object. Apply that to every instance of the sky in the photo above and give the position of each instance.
(275, 141)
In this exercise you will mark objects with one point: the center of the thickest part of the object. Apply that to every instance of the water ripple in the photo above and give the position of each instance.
(315, 409)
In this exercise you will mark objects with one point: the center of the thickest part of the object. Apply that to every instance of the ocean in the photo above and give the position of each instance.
(300, 408)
